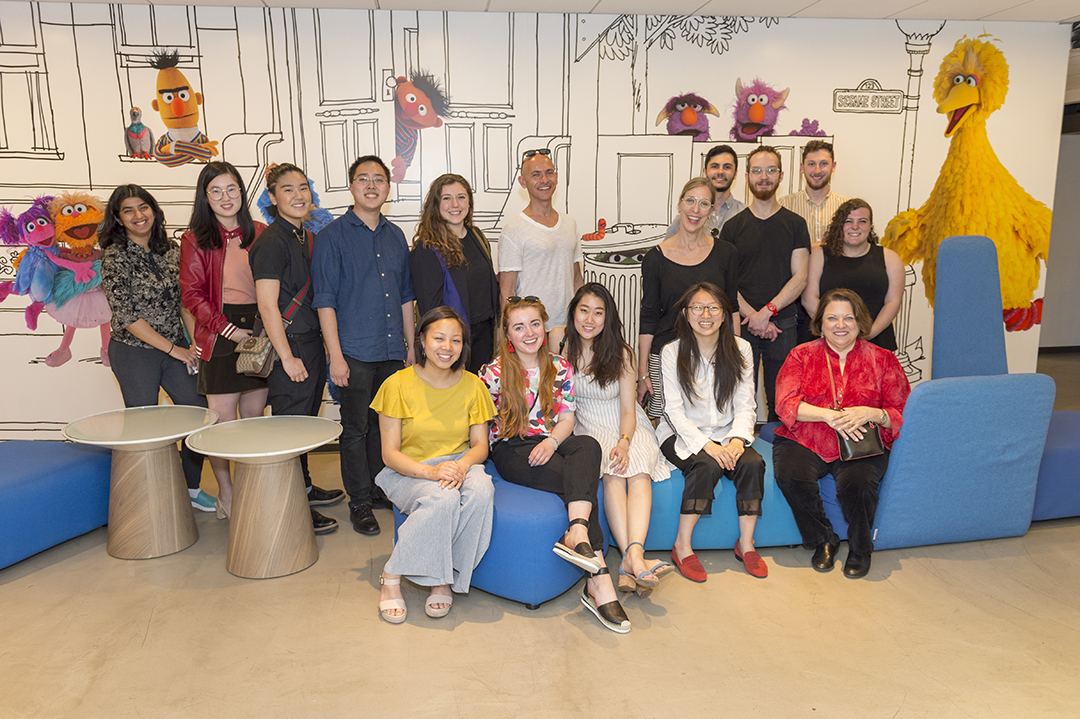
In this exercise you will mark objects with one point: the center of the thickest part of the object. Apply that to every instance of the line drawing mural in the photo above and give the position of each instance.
(317, 87)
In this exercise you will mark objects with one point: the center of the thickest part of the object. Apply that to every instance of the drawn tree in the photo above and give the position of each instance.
(632, 36)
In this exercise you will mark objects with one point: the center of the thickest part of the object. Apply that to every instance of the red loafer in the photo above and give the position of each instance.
(690, 567)
(753, 563)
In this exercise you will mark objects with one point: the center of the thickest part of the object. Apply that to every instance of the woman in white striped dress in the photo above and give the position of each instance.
(607, 411)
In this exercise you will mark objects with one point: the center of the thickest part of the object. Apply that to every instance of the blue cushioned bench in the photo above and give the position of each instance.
(519, 563)
(1058, 492)
(50, 492)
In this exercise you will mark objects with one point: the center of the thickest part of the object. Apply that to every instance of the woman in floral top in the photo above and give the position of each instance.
(533, 444)
(148, 349)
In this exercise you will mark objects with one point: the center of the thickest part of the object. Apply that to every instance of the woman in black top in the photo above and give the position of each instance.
(688, 257)
(148, 349)
(851, 258)
(451, 264)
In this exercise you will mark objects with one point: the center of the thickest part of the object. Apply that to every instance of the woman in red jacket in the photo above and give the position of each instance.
(218, 290)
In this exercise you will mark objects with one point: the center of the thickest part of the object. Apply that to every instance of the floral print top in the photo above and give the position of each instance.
(142, 285)
(539, 425)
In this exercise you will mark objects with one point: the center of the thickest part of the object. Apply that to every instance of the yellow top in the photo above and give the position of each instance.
(435, 422)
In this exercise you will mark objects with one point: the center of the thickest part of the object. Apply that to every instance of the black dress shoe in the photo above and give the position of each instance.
(363, 520)
(857, 565)
(379, 500)
(319, 497)
(825, 556)
(322, 523)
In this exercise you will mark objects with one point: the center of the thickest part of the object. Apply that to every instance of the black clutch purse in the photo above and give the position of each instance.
(869, 446)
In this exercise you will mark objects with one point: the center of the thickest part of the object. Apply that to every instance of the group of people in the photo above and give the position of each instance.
(528, 366)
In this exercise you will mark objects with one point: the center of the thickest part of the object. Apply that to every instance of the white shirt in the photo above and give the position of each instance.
(544, 259)
(700, 422)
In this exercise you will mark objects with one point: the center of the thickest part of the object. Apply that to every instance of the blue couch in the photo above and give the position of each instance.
(1058, 492)
(50, 492)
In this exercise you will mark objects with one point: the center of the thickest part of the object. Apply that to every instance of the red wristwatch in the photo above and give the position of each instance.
(773, 309)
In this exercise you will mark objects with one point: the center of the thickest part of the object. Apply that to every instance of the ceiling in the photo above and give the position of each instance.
(1060, 11)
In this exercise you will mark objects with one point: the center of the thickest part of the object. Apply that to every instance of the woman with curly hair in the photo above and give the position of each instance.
(851, 257)
(450, 263)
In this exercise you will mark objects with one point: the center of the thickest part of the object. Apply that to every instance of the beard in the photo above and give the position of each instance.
(820, 185)
(721, 189)
(764, 193)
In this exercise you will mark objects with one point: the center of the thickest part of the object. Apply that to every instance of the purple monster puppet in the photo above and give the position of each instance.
(36, 265)
(685, 115)
(756, 109)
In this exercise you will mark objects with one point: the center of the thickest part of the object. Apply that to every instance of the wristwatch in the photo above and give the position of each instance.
(772, 308)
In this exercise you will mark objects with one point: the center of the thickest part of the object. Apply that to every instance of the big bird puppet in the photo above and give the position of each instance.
(178, 104)
(975, 194)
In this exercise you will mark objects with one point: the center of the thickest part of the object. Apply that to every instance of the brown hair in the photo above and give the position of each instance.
(699, 182)
(728, 361)
(833, 242)
(433, 231)
(814, 146)
(273, 175)
(841, 294)
(765, 148)
(513, 409)
(435, 314)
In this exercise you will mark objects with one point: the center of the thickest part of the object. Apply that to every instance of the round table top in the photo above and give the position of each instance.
(262, 440)
(139, 428)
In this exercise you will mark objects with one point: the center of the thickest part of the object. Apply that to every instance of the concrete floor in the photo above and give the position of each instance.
(980, 629)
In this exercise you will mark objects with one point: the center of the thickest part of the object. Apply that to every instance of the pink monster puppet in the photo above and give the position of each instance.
(78, 300)
(418, 103)
(685, 115)
(757, 107)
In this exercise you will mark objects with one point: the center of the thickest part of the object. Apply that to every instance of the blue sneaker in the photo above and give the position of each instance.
(203, 502)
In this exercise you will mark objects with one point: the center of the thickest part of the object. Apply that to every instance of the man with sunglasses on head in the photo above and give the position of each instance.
(364, 296)
(539, 249)
(774, 253)
(721, 164)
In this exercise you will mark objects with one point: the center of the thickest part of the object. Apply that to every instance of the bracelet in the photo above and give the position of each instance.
(642, 378)
(554, 441)
(884, 416)
(622, 437)
(172, 346)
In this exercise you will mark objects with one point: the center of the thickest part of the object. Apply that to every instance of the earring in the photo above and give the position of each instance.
(544, 343)
(510, 346)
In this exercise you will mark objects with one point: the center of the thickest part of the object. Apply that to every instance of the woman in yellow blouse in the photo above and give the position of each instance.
(433, 417)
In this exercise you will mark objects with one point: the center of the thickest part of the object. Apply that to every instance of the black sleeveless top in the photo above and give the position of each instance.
(867, 277)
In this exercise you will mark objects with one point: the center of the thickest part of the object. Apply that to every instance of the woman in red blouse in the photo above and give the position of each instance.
(870, 386)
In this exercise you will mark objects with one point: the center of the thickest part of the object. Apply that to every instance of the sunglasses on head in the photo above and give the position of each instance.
(533, 153)
(527, 298)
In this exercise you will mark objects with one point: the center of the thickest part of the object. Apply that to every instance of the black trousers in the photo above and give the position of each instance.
(141, 373)
(302, 398)
(798, 471)
(770, 354)
(702, 473)
(573, 472)
(361, 442)
(482, 345)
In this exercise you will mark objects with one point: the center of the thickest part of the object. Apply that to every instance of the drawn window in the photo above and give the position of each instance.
(26, 114)
(492, 59)
(345, 48)
(143, 26)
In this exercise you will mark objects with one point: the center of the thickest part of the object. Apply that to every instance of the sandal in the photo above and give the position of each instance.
(642, 578)
(661, 568)
(433, 599)
(626, 582)
(388, 604)
(582, 555)
(611, 615)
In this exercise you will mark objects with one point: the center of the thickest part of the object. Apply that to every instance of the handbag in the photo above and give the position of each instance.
(869, 446)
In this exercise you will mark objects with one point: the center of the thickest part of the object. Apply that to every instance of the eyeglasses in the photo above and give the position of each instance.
(216, 193)
(527, 298)
(377, 180)
(701, 309)
(689, 202)
(533, 153)
(770, 171)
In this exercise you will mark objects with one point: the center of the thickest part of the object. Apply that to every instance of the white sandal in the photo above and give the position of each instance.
(394, 603)
(433, 599)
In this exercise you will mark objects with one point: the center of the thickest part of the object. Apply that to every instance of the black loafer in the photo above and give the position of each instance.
(319, 497)
(363, 520)
(825, 556)
(857, 565)
(379, 500)
(322, 523)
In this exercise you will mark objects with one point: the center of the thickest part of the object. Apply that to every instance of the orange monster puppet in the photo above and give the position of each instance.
(77, 303)
(178, 106)
(418, 103)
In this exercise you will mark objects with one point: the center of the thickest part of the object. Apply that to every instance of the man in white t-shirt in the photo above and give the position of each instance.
(539, 249)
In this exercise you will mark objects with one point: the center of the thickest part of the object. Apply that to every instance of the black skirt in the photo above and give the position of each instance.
(218, 374)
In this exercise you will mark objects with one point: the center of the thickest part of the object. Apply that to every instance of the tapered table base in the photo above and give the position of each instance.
(149, 507)
(270, 532)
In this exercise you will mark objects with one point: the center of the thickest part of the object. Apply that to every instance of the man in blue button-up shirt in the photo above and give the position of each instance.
(364, 296)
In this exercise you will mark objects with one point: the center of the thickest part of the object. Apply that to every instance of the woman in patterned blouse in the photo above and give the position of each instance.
(148, 349)
(533, 444)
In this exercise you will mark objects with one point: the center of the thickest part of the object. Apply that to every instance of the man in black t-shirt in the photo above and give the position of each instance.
(774, 251)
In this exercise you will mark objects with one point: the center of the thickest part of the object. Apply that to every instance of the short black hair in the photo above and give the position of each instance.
(722, 150)
(368, 158)
(164, 59)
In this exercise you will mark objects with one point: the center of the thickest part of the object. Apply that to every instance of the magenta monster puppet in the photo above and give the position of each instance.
(757, 107)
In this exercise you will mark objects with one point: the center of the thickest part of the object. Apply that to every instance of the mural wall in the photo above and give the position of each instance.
(319, 87)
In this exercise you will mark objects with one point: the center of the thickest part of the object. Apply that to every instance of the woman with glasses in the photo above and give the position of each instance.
(450, 263)
(708, 425)
(533, 444)
(689, 256)
(219, 291)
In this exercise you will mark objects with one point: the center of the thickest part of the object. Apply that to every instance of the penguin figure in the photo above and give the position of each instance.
(138, 138)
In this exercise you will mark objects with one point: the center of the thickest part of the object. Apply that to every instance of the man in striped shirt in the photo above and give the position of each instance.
(816, 202)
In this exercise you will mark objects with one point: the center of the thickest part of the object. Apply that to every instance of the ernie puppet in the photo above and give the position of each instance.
(178, 106)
